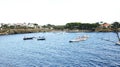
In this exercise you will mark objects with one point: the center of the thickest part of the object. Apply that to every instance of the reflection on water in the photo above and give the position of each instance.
(56, 51)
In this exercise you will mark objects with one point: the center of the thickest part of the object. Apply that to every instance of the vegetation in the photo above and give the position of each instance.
(72, 26)
(116, 25)
(81, 26)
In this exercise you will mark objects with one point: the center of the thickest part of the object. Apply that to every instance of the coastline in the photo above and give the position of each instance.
(23, 31)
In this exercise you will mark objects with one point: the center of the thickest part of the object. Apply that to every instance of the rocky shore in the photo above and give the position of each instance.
(21, 31)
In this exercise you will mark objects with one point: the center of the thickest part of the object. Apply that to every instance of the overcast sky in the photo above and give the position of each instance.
(59, 12)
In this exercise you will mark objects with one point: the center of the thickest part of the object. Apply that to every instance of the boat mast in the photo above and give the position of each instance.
(115, 29)
(117, 35)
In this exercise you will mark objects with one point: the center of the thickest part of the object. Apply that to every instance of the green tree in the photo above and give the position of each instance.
(73, 25)
(48, 26)
(59, 27)
(5, 26)
(81, 26)
(116, 25)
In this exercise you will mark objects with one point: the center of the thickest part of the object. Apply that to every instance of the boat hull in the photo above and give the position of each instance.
(41, 39)
(78, 40)
(28, 38)
(118, 43)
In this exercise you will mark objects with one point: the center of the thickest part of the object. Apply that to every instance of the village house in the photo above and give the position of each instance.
(34, 25)
(0, 25)
(31, 25)
(105, 25)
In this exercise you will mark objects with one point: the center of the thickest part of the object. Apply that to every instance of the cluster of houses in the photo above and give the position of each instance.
(32, 25)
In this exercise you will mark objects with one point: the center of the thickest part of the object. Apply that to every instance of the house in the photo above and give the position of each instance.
(105, 25)
(0, 25)
(31, 25)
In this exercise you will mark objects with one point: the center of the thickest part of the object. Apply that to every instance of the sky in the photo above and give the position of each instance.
(59, 12)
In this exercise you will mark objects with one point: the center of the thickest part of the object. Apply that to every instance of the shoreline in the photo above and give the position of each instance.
(24, 31)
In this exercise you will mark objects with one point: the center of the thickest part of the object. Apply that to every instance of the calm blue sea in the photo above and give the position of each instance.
(56, 51)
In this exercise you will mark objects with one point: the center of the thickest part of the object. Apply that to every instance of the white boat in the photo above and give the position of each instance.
(41, 38)
(83, 38)
(118, 43)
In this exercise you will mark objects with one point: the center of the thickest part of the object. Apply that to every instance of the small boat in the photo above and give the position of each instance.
(117, 33)
(83, 38)
(41, 38)
(118, 43)
(28, 38)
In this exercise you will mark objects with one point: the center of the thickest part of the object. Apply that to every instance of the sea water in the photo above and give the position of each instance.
(56, 51)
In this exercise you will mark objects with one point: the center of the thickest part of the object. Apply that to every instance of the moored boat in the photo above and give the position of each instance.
(28, 38)
(118, 43)
(83, 38)
(41, 38)
(117, 33)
